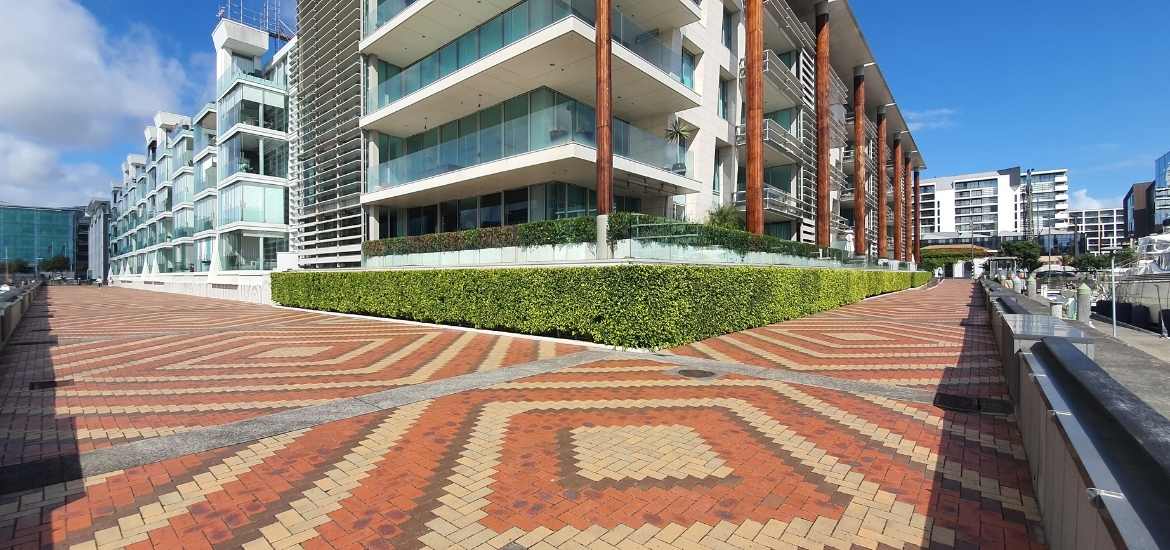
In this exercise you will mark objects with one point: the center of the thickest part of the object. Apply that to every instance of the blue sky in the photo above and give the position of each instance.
(988, 84)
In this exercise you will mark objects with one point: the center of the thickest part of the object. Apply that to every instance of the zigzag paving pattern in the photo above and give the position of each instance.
(932, 340)
(140, 364)
(618, 452)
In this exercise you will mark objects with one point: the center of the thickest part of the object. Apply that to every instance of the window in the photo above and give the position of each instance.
(724, 99)
(490, 210)
(717, 178)
(729, 31)
(516, 206)
(688, 69)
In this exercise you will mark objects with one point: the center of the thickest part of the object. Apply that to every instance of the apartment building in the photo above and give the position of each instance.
(999, 201)
(485, 114)
(1139, 212)
(97, 216)
(1042, 201)
(211, 193)
(1103, 229)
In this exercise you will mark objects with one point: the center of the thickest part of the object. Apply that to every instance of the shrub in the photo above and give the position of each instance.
(622, 226)
(643, 306)
(567, 231)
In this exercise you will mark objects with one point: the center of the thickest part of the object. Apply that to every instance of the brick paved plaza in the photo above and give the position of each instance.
(350, 433)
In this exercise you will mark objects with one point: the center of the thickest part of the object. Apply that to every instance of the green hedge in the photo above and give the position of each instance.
(641, 306)
(621, 226)
(566, 231)
(584, 229)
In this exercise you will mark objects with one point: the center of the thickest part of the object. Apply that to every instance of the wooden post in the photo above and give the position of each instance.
(899, 204)
(860, 247)
(882, 158)
(604, 109)
(754, 20)
(917, 218)
(824, 233)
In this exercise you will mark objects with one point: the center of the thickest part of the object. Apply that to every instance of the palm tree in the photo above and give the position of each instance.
(680, 132)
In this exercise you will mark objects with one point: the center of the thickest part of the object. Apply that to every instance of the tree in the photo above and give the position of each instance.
(1089, 262)
(726, 216)
(56, 263)
(1126, 257)
(18, 265)
(1027, 252)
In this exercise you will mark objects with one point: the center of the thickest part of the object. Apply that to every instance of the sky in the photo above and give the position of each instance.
(987, 84)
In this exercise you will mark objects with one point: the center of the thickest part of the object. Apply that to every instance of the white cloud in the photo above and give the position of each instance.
(34, 175)
(930, 119)
(68, 83)
(1080, 200)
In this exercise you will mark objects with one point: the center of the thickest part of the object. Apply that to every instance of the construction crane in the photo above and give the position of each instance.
(266, 17)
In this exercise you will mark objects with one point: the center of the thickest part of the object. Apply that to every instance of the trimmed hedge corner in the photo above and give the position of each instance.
(638, 306)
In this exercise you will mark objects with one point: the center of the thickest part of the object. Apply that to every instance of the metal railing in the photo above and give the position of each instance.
(787, 18)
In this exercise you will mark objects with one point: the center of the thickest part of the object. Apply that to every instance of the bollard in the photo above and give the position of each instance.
(1084, 304)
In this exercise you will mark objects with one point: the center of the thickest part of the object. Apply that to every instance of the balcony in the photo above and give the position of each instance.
(556, 51)
(781, 146)
(784, 29)
(555, 142)
(403, 31)
(230, 79)
(779, 205)
(782, 89)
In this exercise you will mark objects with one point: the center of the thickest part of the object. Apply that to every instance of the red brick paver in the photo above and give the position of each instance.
(935, 339)
(140, 364)
(621, 453)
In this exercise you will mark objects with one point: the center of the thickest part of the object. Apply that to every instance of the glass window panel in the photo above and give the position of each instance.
(491, 36)
(489, 210)
(468, 49)
(448, 59)
(469, 213)
(449, 216)
(516, 206)
(490, 135)
(516, 23)
(543, 119)
(515, 126)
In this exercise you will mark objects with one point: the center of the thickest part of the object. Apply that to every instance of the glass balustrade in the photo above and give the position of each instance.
(522, 20)
(538, 120)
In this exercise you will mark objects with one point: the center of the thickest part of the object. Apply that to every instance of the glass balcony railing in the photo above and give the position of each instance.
(203, 139)
(566, 122)
(256, 77)
(384, 11)
(523, 20)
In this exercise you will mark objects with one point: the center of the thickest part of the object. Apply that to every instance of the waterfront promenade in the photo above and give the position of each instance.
(195, 423)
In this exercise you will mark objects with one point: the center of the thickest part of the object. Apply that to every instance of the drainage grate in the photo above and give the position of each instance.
(49, 384)
(966, 404)
(696, 373)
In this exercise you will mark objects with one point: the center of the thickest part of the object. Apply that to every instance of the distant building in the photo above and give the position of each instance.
(996, 201)
(1103, 228)
(1161, 192)
(35, 234)
(98, 213)
(1139, 212)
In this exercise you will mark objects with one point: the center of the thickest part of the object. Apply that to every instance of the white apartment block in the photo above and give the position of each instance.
(993, 202)
(1103, 229)
(482, 114)
(208, 201)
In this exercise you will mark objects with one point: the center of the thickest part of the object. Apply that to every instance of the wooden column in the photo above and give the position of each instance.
(917, 219)
(899, 204)
(754, 88)
(883, 156)
(908, 237)
(824, 233)
(604, 109)
(860, 247)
